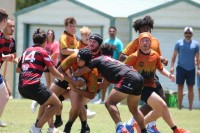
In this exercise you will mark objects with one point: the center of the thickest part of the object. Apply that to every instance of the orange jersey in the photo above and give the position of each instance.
(67, 41)
(90, 77)
(146, 65)
(81, 44)
(134, 46)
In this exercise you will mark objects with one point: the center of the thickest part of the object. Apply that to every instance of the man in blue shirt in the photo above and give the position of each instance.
(186, 49)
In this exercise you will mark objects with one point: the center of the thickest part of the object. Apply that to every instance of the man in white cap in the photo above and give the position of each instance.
(186, 49)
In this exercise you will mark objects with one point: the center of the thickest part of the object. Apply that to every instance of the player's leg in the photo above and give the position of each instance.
(4, 97)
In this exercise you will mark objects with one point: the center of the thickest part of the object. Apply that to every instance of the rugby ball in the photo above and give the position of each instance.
(80, 79)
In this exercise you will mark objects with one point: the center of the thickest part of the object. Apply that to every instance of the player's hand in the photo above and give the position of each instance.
(16, 60)
(172, 77)
(9, 57)
(164, 61)
(61, 77)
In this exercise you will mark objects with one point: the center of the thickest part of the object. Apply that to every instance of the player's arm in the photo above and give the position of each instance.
(122, 57)
(164, 60)
(84, 93)
(68, 51)
(81, 71)
(56, 73)
(167, 74)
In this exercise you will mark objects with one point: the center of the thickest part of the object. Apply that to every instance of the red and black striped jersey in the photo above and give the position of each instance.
(32, 64)
(8, 47)
(2, 41)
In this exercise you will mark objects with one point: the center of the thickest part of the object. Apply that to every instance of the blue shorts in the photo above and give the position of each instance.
(198, 82)
(182, 75)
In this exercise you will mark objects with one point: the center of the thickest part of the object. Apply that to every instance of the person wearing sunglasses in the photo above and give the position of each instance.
(187, 50)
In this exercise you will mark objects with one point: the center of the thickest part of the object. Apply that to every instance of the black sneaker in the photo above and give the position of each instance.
(85, 130)
(58, 123)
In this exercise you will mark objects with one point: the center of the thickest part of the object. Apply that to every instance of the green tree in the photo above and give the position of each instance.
(20, 4)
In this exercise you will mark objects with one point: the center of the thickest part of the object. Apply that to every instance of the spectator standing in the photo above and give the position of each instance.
(113, 40)
(186, 49)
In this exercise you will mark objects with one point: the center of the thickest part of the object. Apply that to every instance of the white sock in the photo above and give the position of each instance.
(151, 124)
(131, 121)
(118, 124)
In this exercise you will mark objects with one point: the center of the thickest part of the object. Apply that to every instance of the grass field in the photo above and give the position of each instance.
(19, 118)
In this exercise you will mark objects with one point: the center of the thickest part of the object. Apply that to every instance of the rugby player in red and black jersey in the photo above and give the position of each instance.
(4, 95)
(129, 83)
(9, 49)
(31, 67)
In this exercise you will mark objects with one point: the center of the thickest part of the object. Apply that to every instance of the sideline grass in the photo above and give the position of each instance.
(19, 118)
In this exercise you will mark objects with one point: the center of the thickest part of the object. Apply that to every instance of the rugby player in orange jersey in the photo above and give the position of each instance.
(146, 61)
(140, 26)
(77, 96)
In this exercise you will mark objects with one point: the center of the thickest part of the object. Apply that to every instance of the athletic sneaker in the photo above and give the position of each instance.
(152, 129)
(52, 130)
(85, 130)
(121, 129)
(90, 114)
(58, 123)
(180, 130)
(129, 127)
(99, 102)
(34, 129)
(34, 105)
(2, 124)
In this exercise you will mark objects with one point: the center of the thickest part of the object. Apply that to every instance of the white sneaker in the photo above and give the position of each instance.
(53, 130)
(99, 102)
(2, 124)
(90, 114)
(34, 105)
(34, 129)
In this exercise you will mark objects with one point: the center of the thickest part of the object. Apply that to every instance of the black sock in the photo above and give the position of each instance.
(68, 126)
(83, 124)
(58, 118)
(36, 122)
(86, 106)
(173, 128)
(144, 130)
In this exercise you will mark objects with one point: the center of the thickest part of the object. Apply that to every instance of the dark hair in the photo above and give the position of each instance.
(146, 21)
(112, 27)
(53, 34)
(39, 37)
(97, 37)
(3, 14)
(85, 54)
(107, 49)
(70, 20)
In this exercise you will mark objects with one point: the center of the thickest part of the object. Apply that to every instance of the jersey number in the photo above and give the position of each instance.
(30, 57)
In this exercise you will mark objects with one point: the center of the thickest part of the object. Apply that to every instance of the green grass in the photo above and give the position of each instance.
(19, 118)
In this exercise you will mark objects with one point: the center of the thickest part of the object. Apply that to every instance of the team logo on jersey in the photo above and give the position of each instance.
(11, 45)
(25, 67)
(71, 43)
(141, 64)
